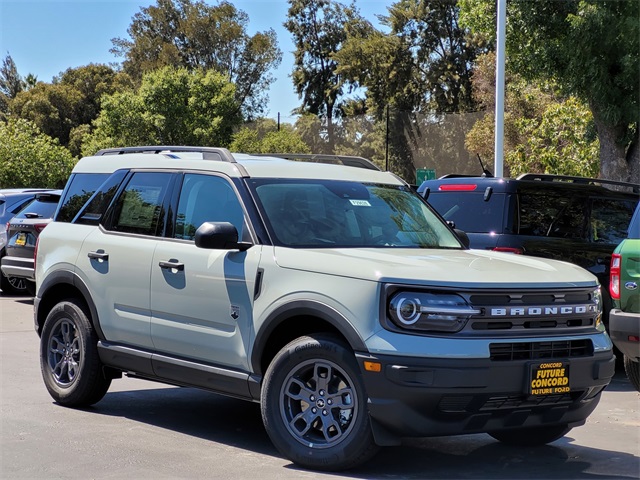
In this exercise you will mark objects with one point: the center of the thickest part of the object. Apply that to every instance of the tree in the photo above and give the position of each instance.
(194, 35)
(29, 158)
(591, 49)
(72, 101)
(319, 28)
(11, 83)
(171, 107)
(415, 73)
(263, 136)
(544, 132)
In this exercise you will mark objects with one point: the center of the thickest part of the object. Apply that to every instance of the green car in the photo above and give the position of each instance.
(624, 319)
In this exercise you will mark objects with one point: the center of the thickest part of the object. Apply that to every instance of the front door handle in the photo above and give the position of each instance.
(98, 255)
(171, 264)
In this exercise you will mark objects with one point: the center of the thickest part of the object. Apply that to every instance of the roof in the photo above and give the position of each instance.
(541, 181)
(213, 159)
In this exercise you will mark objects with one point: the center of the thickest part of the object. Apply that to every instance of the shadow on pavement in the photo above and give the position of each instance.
(238, 423)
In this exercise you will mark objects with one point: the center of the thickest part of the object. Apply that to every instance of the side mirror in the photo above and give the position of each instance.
(219, 236)
(464, 238)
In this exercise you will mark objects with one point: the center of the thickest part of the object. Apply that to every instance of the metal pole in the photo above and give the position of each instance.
(386, 153)
(499, 113)
(278, 121)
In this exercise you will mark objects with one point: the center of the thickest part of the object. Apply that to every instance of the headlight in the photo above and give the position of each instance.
(422, 311)
(597, 298)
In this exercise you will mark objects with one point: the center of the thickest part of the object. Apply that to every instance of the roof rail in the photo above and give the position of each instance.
(545, 177)
(208, 153)
(346, 160)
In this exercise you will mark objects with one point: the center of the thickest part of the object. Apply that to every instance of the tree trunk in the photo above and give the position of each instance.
(618, 161)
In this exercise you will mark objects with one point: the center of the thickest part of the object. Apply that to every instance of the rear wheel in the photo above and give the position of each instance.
(69, 360)
(633, 372)
(314, 405)
(14, 285)
(531, 436)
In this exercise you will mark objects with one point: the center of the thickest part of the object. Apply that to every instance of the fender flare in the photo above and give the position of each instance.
(303, 307)
(70, 278)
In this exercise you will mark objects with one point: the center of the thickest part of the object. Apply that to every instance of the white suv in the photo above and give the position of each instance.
(331, 294)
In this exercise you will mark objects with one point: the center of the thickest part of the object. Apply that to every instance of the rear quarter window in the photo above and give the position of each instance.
(79, 189)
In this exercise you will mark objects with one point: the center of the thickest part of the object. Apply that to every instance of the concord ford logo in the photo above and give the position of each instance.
(542, 311)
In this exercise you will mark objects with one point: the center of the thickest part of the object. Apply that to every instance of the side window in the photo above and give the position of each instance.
(546, 214)
(139, 208)
(610, 220)
(206, 198)
(80, 188)
(93, 211)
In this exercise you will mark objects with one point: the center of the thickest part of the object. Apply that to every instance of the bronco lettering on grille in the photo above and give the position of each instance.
(546, 311)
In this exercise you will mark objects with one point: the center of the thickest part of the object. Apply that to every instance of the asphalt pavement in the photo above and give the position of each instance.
(145, 430)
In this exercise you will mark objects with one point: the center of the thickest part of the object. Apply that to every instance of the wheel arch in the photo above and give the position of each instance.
(61, 285)
(296, 319)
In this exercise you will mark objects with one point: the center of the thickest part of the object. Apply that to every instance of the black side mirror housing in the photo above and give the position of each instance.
(219, 236)
(464, 238)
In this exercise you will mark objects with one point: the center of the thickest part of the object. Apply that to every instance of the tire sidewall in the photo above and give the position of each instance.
(76, 392)
(357, 446)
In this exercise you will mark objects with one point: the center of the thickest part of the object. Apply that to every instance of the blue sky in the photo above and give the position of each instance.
(45, 37)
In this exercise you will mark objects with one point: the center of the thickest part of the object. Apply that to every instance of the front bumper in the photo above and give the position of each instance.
(623, 325)
(18, 267)
(414, 397)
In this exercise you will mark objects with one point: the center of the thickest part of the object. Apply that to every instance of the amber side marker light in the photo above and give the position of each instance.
(372, 366)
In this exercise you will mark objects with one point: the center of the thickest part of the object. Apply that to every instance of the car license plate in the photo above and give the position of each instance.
(549, 378)
(21, 241)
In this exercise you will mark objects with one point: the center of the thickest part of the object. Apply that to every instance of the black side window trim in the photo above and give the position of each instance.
(110, 214)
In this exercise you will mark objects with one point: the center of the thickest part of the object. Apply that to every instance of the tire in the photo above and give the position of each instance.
(314, 406)
(531, 436)
(69, 361)
(633, 372)
(13, 285)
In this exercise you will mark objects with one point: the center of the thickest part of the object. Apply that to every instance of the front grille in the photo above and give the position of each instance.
(527, 311)
(504, 352)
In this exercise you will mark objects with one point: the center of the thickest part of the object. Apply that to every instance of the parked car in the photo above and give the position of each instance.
(575, 219)
(12, 200)
(332, 295)
(22, 233)
(624, 318)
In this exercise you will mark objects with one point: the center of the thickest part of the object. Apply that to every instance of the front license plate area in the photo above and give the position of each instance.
(549, 378)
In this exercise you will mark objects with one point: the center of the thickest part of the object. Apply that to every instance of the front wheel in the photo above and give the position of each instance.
(314, 405)
(531, 436)
(633, 372)
(69, 361)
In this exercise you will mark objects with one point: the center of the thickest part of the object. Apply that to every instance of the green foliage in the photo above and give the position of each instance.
(562, 141)
(264, 137)
(319, 29)
(591, 50)
(194, 35)
(29, 158)
(72, 100)
(543, 133)
(11, 83)
(171, 107)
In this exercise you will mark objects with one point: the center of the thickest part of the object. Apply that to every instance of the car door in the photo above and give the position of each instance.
(201, 299)
(116, 256)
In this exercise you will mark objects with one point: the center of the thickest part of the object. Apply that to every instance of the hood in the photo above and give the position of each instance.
(455, 268)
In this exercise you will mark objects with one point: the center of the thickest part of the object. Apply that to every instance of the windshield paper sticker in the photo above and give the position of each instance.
(360, 203)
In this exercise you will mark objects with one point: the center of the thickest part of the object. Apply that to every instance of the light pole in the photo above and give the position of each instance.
(499, 113)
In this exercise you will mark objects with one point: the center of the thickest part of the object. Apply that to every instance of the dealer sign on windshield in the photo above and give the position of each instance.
(549, 378)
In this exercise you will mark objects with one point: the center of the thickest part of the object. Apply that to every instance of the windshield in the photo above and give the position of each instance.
(329, 213)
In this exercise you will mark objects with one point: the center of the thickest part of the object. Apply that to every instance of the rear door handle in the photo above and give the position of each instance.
(98, 255)
(171, 264)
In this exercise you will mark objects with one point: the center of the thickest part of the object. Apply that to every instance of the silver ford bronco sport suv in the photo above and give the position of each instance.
(333, 295)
